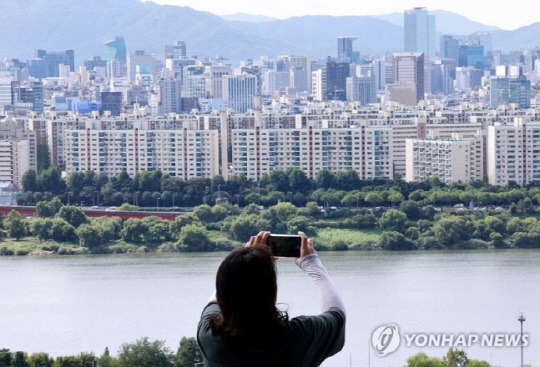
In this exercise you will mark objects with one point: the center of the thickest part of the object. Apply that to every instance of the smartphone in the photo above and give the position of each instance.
(285, 245)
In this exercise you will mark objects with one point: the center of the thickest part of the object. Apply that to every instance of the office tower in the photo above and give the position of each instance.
(449, 47)
(95, 62)
(442, 76)
(176, 51)
(115, 50)
(140, 58)
(481, 38)
(214, 79)
(506, 90)
(408, 78)
(379, 71)
(112, 102)
(475, 56)
(169, 96)
(194, 82)
(239, 91)
(274, 81)
(300, 71)
(362, 88)
(345, 49)
(419, 31)
(336, 80)
(54, 59)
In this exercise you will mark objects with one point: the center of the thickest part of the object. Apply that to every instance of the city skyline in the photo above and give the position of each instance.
(482, 11)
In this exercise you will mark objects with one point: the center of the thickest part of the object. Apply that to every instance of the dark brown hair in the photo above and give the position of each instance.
(246, 290)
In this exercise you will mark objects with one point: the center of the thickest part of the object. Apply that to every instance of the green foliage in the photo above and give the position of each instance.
(144, 353)
(134, 230)
(456, 358)
(373, 198)
(284, 211)
(301, 224)
(393, 220)
(55, 229)
(252, 209)
(395, 241)
(245, 226)
(157, 230)
(204, 213)
(40, 360)
(126, 207)
(14, 224)
(179, 222)
(450, 231)
(89, 236)
(422, 360)
(194, 238)
(188, 353)
(73, 215)
(219, 212)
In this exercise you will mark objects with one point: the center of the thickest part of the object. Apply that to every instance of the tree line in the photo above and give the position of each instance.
(141, 353)
(344, 188)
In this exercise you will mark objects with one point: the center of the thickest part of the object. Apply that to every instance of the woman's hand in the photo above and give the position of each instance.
(260, 239)
(306, 247)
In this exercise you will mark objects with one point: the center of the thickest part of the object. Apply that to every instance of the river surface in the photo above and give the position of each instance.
(68, 304)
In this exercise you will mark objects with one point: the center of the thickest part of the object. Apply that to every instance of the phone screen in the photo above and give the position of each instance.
(285, 245)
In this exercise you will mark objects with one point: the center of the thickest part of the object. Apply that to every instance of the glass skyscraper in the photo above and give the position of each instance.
(419, 28)
(115, 50)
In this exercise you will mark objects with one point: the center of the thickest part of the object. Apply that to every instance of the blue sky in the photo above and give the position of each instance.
(503, 14)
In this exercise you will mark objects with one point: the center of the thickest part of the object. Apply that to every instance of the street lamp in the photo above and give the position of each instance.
(157, 201)
(521, 320)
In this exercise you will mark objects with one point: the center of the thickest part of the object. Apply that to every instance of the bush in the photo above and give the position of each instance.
(339, 245)
(167, 247)
(4, 251)
(21, 252)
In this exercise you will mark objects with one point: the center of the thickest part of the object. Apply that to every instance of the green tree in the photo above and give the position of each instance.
(19, 360)
(134, 230)
(252, 209)
(325, 179)
(477, 363)
(194, 238)
(180, 221)
(204, 213)
(298, 181)
(450, 231)
(14, 224)
(73, 215)
(422, 360)
(89, 236)
(373, 198)
(144, 353)
(284, 211)
(219, 212)
(43, 155)
(188, 353)
(29, 180)
(5, 358)
(40, 360)
(456, 358)
(395, 241)
(393, 220)
(243, 227)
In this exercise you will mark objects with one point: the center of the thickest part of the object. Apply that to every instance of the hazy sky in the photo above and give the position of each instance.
(504, 14)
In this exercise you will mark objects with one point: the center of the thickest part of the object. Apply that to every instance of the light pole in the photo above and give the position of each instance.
(521, 320)
(157, 201)
(259, 193)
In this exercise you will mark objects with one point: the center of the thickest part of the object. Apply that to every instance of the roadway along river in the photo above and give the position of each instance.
(65, 305)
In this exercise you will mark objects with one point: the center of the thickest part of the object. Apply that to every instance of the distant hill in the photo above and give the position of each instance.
(84, 25)
(244, 17)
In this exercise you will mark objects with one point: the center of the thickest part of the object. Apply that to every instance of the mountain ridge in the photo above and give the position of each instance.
(83, 26)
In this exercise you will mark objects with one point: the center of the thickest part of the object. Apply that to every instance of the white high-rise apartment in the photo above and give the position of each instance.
(318, 84)
(451, 160)
(14, 160)
(170, 96)
(178, 152)
(513, 152)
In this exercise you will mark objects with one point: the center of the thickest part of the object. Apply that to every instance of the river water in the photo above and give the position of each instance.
(69, 304)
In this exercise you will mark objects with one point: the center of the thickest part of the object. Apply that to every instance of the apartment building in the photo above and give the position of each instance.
(513, 152)
(14, 160)
(454, 159)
